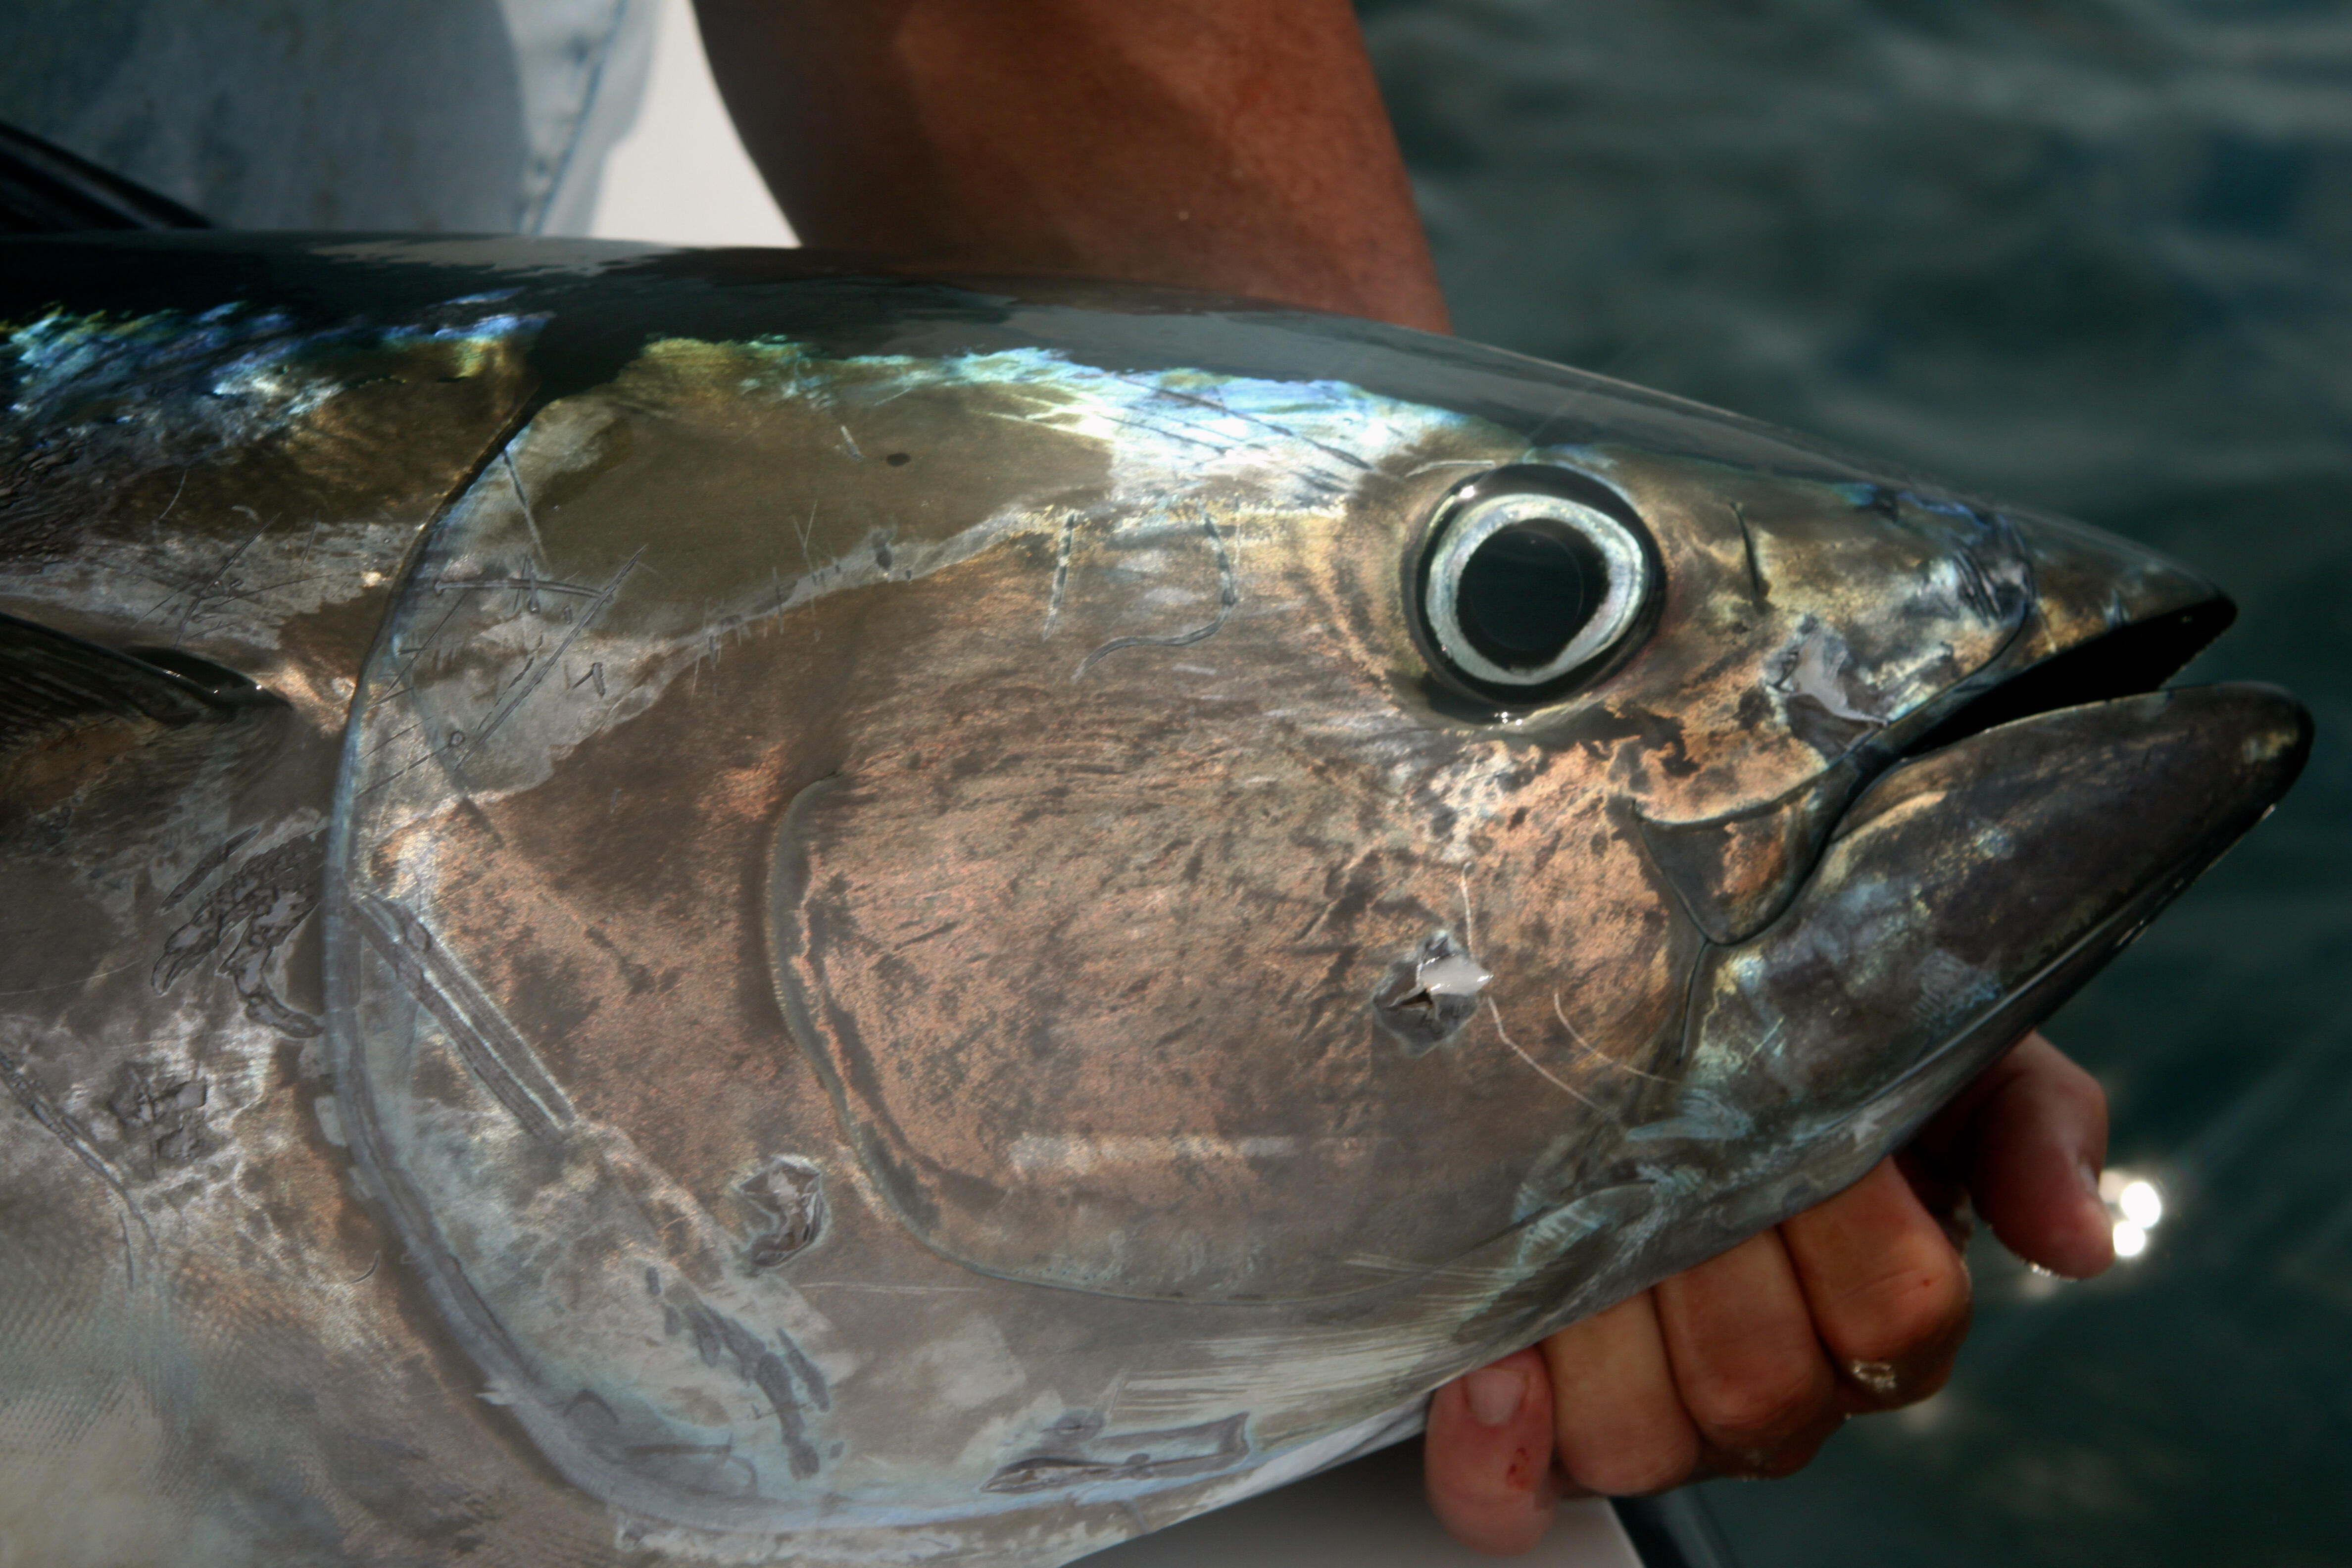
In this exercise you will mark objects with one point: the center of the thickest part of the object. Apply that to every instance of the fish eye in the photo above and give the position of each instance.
(1532, 578)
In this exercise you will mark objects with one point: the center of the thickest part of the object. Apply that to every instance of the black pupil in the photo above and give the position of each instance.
(1528, 590)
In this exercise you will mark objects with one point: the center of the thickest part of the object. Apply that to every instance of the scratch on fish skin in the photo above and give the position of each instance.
(1470, 941)
(888, 1290)
(1044, 410)
(852, 441)
(527, 663)
(1577, 399)
(373, 1263)
(1228, 597)
(1583, 1045)
(937, 931)
(526, 584)
(196, 591)
(1062, 549)
(370, 754)
(78, 981)
(505, 710)
(522, 501)
(418, 653)
(1501, 1034)
(1110, 1399)
(1156, 431)
(803, 529)
(1344, 456)
(175, 501)
(279, 586)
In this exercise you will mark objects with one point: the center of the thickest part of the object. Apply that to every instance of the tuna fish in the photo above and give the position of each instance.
(674, 908)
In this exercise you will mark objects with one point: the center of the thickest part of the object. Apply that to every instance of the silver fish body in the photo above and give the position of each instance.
(700, 909)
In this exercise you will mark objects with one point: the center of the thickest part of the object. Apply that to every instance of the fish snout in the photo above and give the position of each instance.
(2102, 619)
(2089, 584)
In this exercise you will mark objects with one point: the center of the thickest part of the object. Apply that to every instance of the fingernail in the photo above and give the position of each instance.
(2089, 1176)
(1495, 1394)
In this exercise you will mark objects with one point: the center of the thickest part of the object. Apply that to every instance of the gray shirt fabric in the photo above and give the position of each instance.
(452, 115)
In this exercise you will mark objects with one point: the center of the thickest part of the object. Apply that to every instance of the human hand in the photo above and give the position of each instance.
(1744, 1365)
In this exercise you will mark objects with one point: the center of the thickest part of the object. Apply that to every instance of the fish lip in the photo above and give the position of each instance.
(2129, 659)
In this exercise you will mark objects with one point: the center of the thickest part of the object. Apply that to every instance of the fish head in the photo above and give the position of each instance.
(964, 919)
(1328, 851)
(1236, 863)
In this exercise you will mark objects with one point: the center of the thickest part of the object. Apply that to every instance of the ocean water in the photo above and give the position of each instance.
(2093, 254)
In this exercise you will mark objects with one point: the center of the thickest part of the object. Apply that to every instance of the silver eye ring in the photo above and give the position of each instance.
(1523, 587)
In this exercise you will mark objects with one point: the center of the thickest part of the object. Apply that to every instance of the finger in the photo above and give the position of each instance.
(1486, 1461)
(1944, 1195)
(1617, 1417)
(2030, 1135)
(1888, 1294)
(1739, 1336)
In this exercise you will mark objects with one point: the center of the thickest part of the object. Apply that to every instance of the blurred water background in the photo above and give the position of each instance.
(2092, 254)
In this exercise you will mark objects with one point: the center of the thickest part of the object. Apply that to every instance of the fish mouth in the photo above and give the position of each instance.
(2132, 658)
(2024, 831)
(2104, 619)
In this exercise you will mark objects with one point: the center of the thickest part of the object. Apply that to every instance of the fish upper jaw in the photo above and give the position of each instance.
(2104, 618)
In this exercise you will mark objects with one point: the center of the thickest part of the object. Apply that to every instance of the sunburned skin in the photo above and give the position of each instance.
(923, 941)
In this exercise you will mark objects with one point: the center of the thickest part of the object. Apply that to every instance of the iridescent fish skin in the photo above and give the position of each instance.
(672, 909)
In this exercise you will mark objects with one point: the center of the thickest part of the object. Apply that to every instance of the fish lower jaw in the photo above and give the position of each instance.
(1964, 897)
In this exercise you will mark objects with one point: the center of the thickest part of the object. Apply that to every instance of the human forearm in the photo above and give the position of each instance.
(1233, 145)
